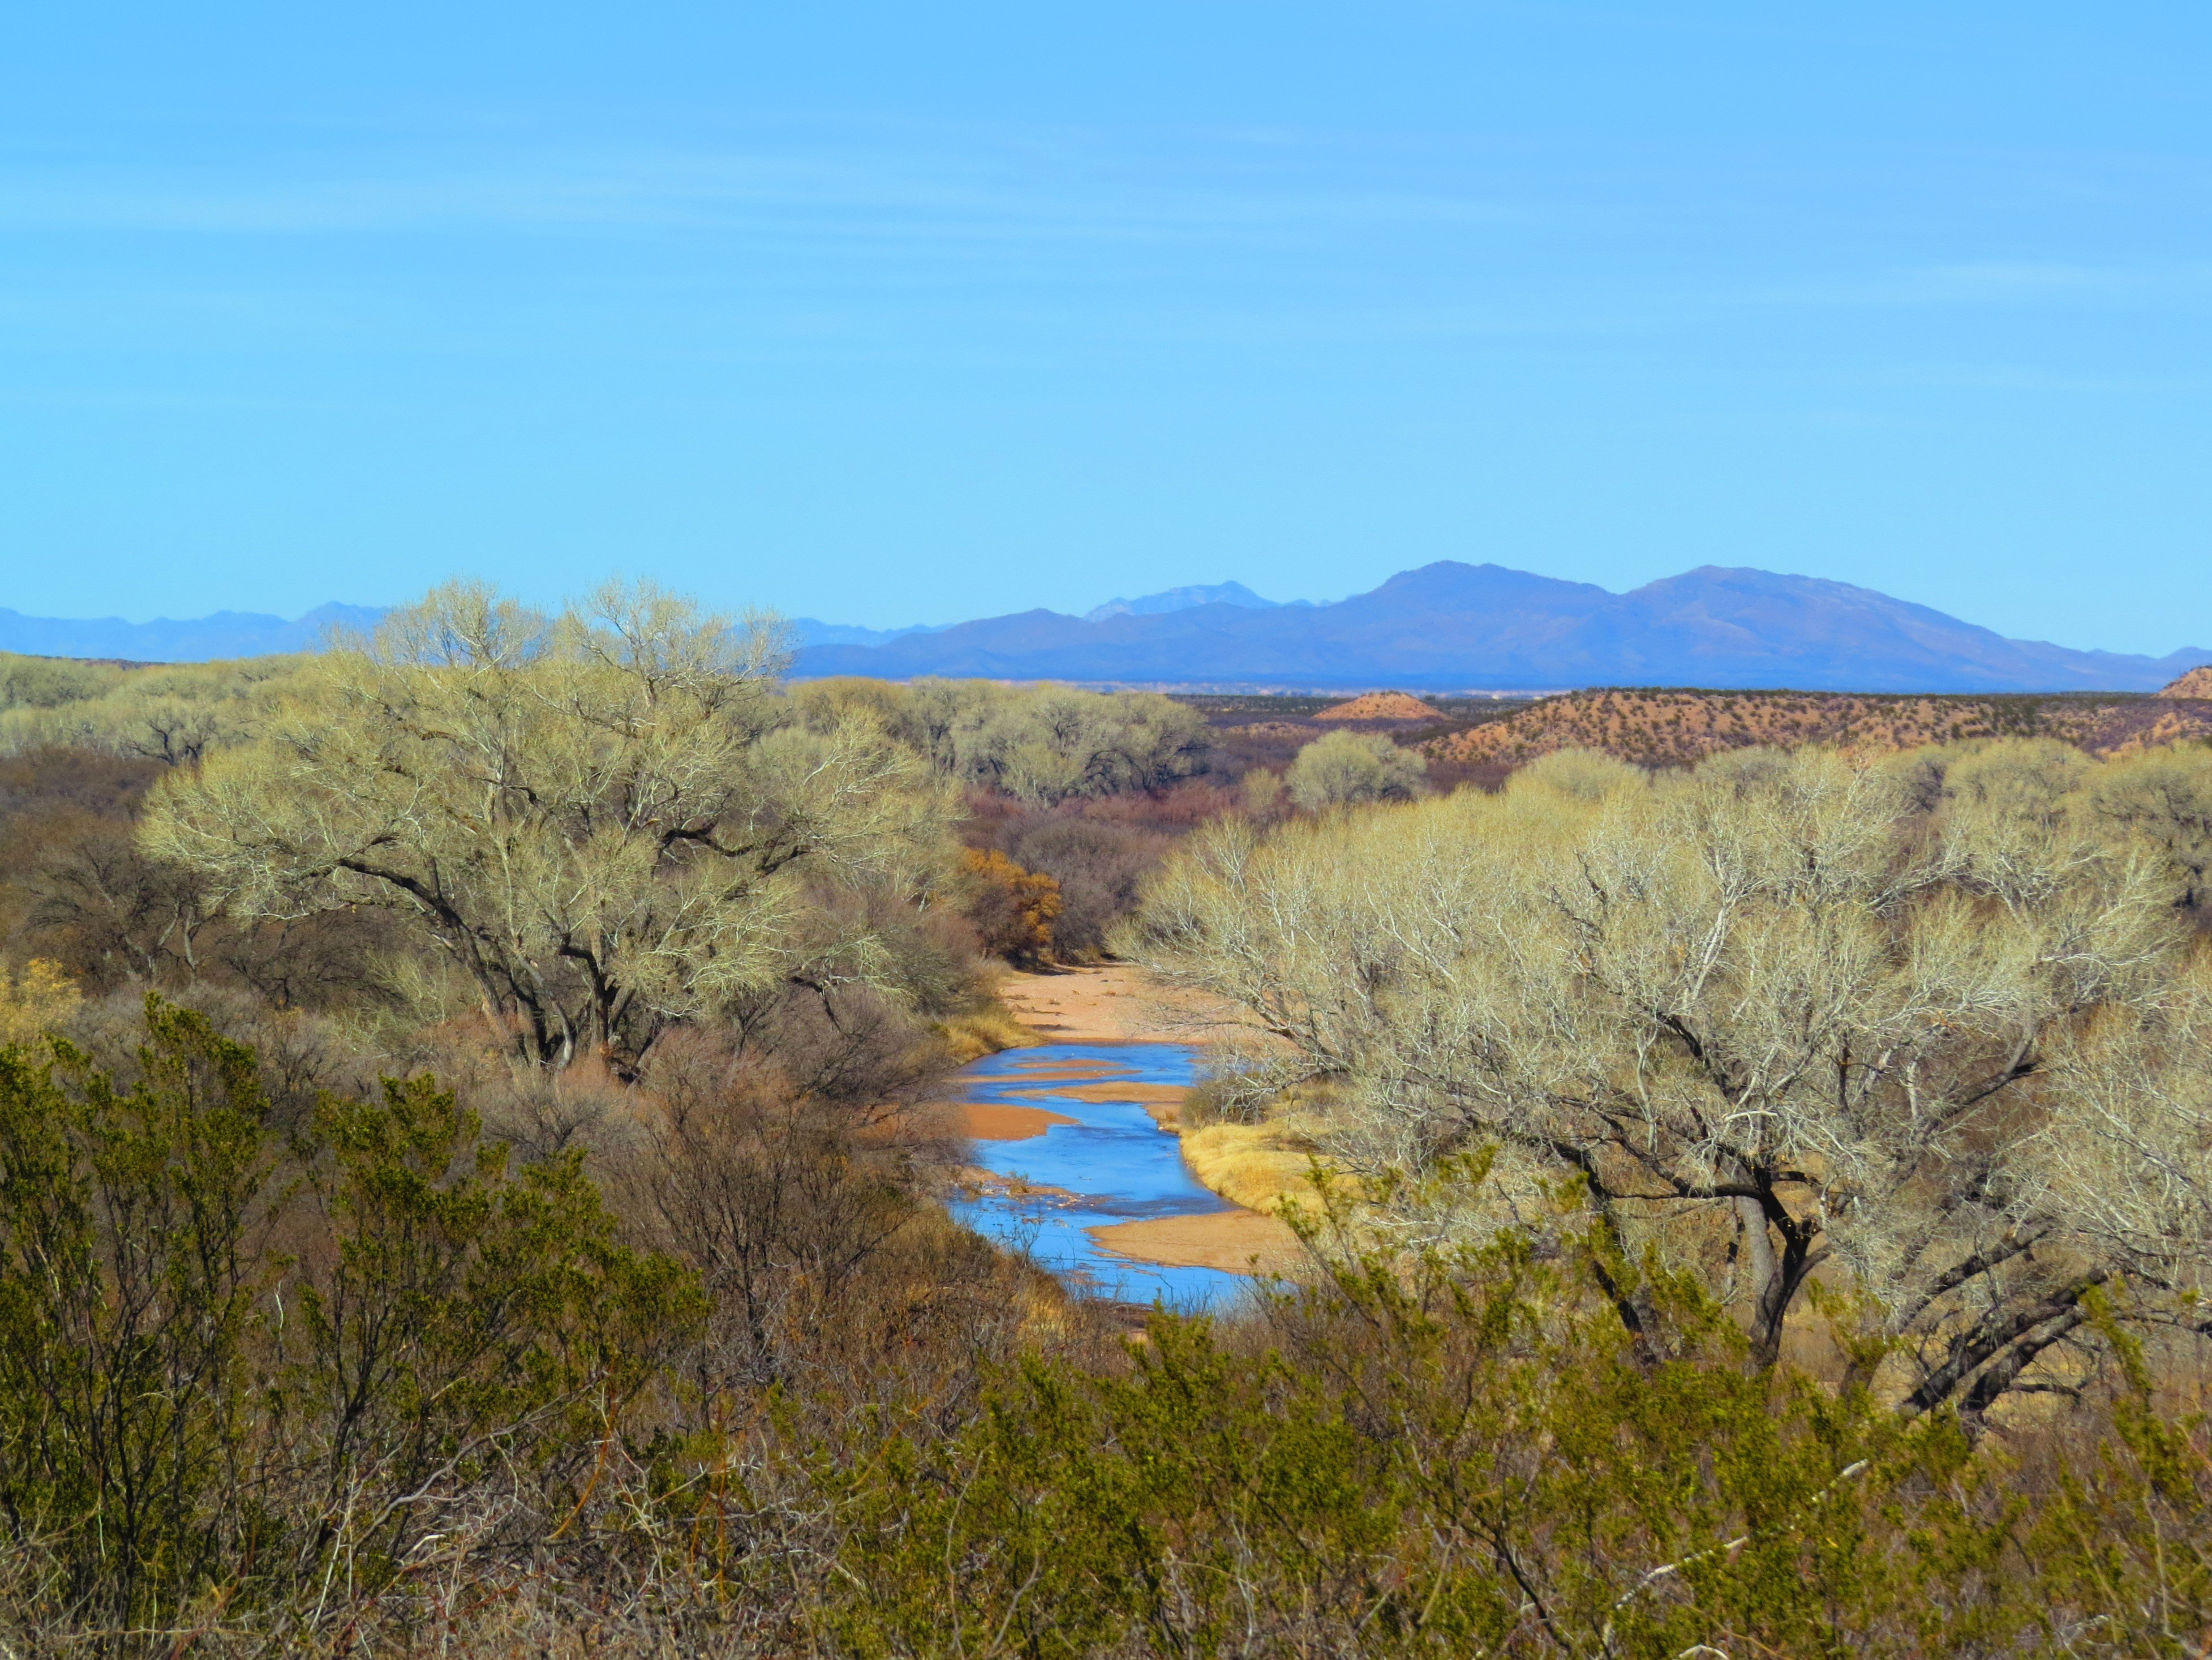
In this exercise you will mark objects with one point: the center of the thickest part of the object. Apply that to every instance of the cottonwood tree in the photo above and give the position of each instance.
(1343, 767)
(602, 818)
(2165, 795)
(173, 714)
(1779, 1019)
(2132, 1165)
(1040, 744)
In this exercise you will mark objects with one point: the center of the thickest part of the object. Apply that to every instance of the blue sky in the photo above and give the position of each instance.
(897, 314)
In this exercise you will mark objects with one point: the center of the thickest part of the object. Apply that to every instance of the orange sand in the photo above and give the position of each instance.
(982, 1121)
(1234, 1241)
(1114, 1003)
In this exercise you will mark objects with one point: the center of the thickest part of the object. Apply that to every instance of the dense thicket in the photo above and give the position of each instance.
(1098, 851)
(232, 1359)
(1037, 743)
(170, 713)
(345, 720)
(269, 1356)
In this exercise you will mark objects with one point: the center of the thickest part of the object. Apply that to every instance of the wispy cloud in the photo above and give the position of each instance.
(1056, 191)
(1261, 238)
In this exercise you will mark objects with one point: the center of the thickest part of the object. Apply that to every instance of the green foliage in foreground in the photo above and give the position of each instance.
(234, 1363)
(357, 1385)
(1481, 1462)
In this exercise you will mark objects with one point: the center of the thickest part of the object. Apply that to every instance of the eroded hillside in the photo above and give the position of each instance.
(1380, 706)
(1677, 728)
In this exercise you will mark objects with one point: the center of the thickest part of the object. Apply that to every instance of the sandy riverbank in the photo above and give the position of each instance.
(1235, 1241)
(1113, 1003)
(1119, 1004)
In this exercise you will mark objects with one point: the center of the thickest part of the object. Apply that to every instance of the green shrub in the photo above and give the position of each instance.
(370, 1388)
(1473, 1455)
(229, 1364)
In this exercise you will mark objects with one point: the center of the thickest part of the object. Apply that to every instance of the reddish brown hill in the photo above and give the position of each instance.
(2197, 683)
(1677, 728)
(1379, 706)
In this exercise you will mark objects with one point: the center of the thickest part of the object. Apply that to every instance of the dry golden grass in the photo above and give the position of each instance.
(986, 1032)
(1254, 1165)
(2197, 683)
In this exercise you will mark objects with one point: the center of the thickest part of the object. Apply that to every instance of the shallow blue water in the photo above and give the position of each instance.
(1113, 1164)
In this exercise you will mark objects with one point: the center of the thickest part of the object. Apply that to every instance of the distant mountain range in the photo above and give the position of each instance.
(1446, 627)
(1157, 605)
(195, 640)
(812, 631)
(1453, 627)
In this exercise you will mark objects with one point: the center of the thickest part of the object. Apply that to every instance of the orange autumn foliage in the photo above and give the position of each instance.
(1013, 909)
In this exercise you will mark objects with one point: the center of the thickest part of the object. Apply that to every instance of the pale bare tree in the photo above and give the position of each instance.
(602, 818)
(1340, 768)
(1040, 743)
(2131, 1166)
(1777, 1018)
(2165, 795)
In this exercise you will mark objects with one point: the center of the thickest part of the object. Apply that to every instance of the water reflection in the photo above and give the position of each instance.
(1112, 1164)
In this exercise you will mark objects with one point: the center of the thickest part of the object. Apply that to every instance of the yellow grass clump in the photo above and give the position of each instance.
(985, 1031)
(1254, 1165)
(35, 1001)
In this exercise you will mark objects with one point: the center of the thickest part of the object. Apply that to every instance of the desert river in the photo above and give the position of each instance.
(1067, 1150)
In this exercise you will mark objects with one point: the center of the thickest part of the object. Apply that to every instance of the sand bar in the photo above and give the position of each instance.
(1233, 1241)
(1113, 1003)
(1162, 1101)
(1167, 1094)
(998, 1120)
(1073, 1072)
